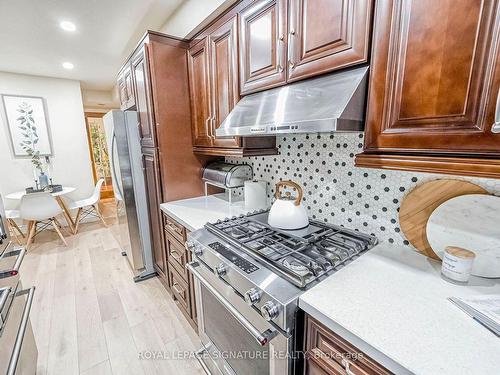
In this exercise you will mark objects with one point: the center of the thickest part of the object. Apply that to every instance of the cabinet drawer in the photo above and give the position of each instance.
(180, 290)
(332, 354)
(177, 257)
(175, 229)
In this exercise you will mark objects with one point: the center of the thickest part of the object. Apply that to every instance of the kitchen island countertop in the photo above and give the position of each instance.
(392, 304)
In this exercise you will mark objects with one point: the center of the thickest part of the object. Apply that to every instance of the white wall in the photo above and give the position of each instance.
(191, 13)
(71, 160)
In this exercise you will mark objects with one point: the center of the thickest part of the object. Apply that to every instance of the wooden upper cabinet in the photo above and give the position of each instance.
(263, 30)
(223, 47)
(126, 88)
(325, 35)
(199, 89)
(433, 89)
(143, 99)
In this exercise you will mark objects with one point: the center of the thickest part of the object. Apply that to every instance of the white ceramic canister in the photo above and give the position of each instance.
(255, 193)
(457, 263)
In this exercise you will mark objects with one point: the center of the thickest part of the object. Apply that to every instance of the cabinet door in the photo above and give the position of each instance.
(199, 90)
(129, 87)
(435, 78)
(328, 353)
(263, 27)
(122, 91)
(143, 98)
(223, 47)
(151, 174)
(325, 35)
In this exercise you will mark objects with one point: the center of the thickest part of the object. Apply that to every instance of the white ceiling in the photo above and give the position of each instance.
(31, 41)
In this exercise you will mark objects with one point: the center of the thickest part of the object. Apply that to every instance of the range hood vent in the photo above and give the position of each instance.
(330, 103)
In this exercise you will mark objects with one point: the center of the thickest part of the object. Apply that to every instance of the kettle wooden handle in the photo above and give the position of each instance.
(291, 184)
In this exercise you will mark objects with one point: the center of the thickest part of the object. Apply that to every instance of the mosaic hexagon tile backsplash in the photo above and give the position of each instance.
(337, 192)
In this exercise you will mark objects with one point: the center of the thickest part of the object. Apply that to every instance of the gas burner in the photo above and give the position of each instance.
(295, 265)
(299, 256)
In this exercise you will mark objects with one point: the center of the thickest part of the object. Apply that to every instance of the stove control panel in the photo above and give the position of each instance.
(240, 262)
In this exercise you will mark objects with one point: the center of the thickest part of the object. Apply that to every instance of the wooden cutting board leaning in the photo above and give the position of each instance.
(419, 204)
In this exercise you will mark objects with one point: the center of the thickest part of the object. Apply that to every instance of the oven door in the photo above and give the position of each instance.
(236, 338)
(18, 353)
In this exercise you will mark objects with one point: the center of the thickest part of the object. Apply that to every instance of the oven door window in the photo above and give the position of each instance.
(238, 348)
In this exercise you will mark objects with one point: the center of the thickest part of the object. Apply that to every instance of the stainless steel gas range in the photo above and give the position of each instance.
(248, 279)
(18, 352)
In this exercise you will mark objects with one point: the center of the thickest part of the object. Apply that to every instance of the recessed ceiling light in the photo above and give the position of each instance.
(68, 65)
(67, 26)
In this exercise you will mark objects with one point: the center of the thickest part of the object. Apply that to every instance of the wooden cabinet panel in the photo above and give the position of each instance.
(328, 353)
(263, 27)
(433, 84)
(153, 190)
(223, 47)
(122, 91)
(180, 291)
(177, 257)
(199, 88)
(175, 229)
(325, 35)
(126, 88)
(180, 281)
(143, 99)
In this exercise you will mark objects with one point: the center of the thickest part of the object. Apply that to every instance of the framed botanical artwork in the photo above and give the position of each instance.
(28, 125)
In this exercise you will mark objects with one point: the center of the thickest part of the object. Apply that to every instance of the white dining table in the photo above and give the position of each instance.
(57, 195)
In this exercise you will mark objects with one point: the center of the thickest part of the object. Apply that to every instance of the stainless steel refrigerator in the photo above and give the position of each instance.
(131, 227)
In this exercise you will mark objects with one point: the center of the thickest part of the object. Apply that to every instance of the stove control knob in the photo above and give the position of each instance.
(252, 296)
(198, 251)
(221, 270)
(190, 245)
(269, 311)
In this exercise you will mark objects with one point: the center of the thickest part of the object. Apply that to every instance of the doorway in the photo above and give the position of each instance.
(99, 152)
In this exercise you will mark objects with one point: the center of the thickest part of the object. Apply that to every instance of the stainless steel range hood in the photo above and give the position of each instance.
(330, 103)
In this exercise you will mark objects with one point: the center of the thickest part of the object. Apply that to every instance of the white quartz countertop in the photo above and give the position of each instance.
(194, 213)
(391, 303)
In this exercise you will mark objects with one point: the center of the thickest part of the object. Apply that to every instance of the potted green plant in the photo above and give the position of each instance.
(30, 140)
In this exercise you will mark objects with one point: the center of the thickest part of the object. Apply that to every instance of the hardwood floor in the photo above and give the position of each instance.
(89, 317)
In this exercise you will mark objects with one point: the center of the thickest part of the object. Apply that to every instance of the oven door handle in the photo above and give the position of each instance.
(14, 359)
(262, 338)
(19, 253)
(4, 296)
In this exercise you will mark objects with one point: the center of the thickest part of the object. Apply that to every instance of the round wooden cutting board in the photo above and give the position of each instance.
(419, 204)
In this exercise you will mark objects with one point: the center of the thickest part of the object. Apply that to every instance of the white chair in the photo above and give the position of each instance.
(88, 207)
(11, 216)
(40, 208)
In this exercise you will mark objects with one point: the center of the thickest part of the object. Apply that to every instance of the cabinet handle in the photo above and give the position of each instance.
(173, 228)
(176, 289)
(496, 125)
(176, 255)
(347, 368)
(291, 49)
(280, 54)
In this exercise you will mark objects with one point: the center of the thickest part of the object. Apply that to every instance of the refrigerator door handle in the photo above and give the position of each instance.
(113, 163)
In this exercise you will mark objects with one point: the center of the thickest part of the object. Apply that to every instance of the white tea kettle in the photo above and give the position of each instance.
(287, 212)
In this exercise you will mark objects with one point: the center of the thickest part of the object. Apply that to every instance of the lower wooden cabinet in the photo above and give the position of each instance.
(328, 353)
(179, 281)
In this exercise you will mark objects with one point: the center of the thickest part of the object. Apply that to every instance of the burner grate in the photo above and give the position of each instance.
(299, 259)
